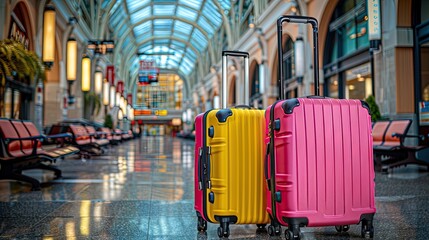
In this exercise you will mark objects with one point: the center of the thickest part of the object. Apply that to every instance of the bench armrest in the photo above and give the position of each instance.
(60, 135)
(403, 136)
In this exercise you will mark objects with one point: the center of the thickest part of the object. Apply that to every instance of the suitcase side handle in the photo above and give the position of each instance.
(200, 177)
(245, 55)
(266, 166)
(305, 20)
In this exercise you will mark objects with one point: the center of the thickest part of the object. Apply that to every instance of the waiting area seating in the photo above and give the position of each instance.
(389, 148)
(21, 149)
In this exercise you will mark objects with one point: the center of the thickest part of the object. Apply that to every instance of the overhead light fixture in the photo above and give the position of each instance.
(98, 82)
(71, 59)
(106, 93)
(112, 96)
(118, 99)
(48, 55)
(86, 74)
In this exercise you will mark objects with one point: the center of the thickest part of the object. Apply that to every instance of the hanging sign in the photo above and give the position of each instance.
(130, 99)
(374, 23)
(148, 72)
(120, 87)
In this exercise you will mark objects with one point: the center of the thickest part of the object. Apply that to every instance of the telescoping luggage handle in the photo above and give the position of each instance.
(225, 54)
(314, 24)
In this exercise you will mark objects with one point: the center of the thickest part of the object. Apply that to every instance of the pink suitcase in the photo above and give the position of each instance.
(319, 164)
(198, 204)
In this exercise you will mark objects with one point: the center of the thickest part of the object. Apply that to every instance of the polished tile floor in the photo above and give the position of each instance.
(143, 189)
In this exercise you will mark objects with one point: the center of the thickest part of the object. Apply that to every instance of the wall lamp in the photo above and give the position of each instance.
(71, 59)
(86, 74)
(48, 54)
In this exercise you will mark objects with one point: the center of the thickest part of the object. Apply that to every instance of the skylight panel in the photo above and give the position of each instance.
(163, 24)
(178, 44)
(140, 15)
(195, 4)
(190, 53)
(117, 18)
(161, 41)
(164, 10)
(212, 13)
(199, 36)
(143, 28)
(145, 48)
(187, 13)
(134, 5)
(182, 27)
(126, 42)
(204, 24)
(180, 35)
(123, 29)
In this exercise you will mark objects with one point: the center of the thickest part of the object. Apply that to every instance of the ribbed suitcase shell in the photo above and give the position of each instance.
(323, 162)
(199, 138)
(236, 164)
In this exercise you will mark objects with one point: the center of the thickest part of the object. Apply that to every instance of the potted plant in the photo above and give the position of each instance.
(17, 63)
(375, 111)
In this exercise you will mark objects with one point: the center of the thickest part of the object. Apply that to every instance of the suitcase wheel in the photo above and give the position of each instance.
(202, 224)
(293, 233)
(223, 230)
(367, 230)
(274, 230)
(342, 228)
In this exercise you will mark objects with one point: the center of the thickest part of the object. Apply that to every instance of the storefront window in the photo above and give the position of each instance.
(16, 104)
(8, 103)
(424, 63)
(424, 11)
(358, 82)
(345, 46)
(333, 86)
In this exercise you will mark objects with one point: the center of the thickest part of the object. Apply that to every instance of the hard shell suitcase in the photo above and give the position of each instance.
(229, 170)
(319, 164)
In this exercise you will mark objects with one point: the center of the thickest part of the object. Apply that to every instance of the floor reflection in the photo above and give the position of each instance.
(143, 189)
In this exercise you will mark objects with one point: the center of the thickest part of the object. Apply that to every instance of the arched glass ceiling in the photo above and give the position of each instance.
(173, 32)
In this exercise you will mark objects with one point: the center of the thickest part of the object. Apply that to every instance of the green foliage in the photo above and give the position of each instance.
(375, 111)
(108, 121)
(93, 102)
(17, 62)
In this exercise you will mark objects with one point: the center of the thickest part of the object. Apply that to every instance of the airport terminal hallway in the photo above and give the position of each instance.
(143, 189)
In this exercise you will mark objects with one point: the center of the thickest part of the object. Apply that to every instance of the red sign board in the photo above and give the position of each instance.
(120, 87)
(130, 99)
(110, 75)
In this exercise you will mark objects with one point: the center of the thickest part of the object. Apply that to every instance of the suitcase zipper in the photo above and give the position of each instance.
(209, 182)
(200, 183)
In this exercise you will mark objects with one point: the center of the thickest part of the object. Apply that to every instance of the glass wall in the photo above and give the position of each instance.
(346, 55)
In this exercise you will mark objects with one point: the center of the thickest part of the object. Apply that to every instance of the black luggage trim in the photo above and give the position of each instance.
(289, 104)
(302, 222)
(272, 179)
(366, 105)
(204, 146)
(228, 219)
(223, 114)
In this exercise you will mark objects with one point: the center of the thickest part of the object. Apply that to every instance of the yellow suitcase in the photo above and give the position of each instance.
(231, 170)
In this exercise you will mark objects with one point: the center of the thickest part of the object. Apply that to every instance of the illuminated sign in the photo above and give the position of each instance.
(374, 23)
